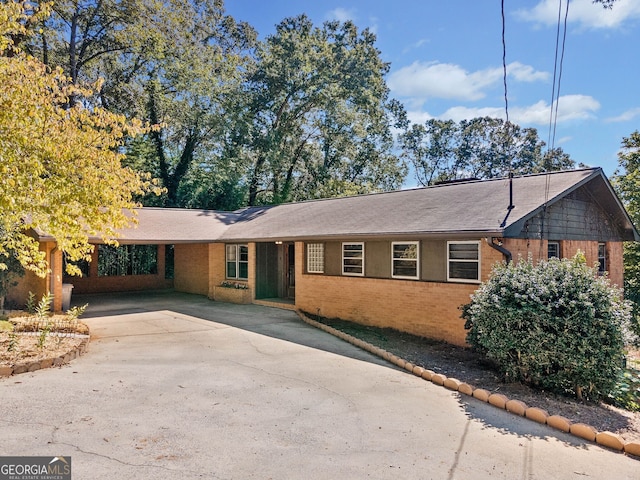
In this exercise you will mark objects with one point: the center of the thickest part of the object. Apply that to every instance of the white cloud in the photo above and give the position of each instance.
(416, 45)
(444, 80)
(563, 140)
(526, 73)
(571, 107)
(341, 14)
(441, 80)
(584, 13)
(418, 117)
(625, 116)
(373, 28)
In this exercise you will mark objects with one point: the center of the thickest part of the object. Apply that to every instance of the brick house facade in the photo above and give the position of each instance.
(406, 260)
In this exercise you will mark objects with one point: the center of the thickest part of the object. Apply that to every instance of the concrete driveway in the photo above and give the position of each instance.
(175, 386)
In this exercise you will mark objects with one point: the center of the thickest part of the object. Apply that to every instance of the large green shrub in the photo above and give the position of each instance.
(556, 325)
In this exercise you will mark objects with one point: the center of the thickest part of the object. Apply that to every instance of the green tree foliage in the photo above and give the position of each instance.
(318, 116)
(479, 148)
(175, 63)
(60, 170)
(556, 325)
(627, 184)
(606, 3)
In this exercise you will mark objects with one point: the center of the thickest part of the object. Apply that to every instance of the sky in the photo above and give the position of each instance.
(446, 62)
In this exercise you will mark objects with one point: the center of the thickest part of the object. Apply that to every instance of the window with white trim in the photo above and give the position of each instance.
(315, 257)
(404, 260)
(602, 257)
(353, 259)
(237, 261)
(463, 261)
(553, 249)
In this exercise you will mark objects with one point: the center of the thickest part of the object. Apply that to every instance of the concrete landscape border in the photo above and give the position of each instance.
(586, 432)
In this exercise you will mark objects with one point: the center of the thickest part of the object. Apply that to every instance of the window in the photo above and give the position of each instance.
(463, 261)
(553, 250)
(238, 262)
(127, 260)
(404, 260)
(602, 258)
(353, 259)
(315, 258)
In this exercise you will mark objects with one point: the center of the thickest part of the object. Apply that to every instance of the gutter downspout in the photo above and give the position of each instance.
(498, 246)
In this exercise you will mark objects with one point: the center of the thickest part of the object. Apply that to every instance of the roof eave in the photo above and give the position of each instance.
(436, 235)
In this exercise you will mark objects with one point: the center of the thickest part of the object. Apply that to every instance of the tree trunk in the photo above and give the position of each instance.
(255, 182)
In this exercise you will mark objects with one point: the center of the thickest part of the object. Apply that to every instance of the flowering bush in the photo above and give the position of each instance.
(556, 325)
(236, 285)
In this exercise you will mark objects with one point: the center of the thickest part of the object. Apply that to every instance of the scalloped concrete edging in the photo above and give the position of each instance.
(58, 361)
(586, 432)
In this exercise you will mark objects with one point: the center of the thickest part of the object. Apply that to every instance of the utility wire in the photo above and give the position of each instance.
(564, 39)
(557, 75)
(504, 65)
(555, 67)
(553, 109)
(506, 112)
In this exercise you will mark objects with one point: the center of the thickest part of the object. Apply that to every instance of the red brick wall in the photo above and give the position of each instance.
(428, 309)
(218, 267)
(521, 248)
(30, 282)
(191, 268)
(616, 262)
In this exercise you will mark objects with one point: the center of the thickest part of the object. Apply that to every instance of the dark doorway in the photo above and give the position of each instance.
(275, 270)
(289, 271)
(266, 270)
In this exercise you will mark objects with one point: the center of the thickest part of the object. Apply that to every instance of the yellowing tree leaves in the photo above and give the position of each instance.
(60, 167)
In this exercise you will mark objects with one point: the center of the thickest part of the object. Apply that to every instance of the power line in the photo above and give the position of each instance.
(564, 39)
(555, 66)
(504, 65)
(557, 76)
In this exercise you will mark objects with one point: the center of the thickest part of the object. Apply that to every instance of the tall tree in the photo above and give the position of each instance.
(318, 118)
(175, 63)
(627, 183)
(480, 148)
(60, 170)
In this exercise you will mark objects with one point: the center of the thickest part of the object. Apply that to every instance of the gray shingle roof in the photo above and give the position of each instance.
(470, 208)
(177, 225)
(474, 208)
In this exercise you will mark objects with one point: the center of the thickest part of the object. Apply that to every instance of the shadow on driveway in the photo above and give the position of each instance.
(270, 321)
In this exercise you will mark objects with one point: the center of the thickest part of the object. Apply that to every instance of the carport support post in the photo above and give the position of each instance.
(55, 276)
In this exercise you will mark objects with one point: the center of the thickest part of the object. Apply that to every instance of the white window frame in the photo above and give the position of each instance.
(315, 257)
(478, 261)
(352, 274)
(602, 260)
(559, 252)
(416, 260)
(235, 247)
